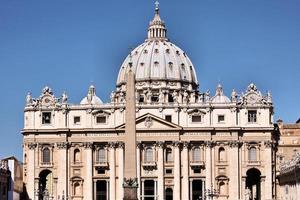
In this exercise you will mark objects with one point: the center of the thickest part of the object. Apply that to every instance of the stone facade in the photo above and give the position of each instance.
(187, 144)
(288, 161)
(4, 179)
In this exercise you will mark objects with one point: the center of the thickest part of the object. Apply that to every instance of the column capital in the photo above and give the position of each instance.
(177, 143)
(160, 144)
(209, 144)
(88, 145)
(32, 146)
(234, 144)
(112, 145)
(268, 144)
(121, 145)
(138, 145)
(186, 144)
(62, 145)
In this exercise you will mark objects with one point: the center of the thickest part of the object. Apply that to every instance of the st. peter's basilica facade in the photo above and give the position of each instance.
(158, 133)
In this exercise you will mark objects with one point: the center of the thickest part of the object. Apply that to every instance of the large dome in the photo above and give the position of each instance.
(158, 60)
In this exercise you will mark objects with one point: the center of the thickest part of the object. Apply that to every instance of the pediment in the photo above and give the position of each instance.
(150, 121)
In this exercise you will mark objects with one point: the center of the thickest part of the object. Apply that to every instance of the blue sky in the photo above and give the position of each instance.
(69, 44)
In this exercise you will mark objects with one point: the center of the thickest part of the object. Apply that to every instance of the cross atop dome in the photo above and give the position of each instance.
(157, 29)
(156, 6)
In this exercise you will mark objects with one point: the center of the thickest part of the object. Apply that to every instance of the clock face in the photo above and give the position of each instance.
(252, 98)
(47, 100)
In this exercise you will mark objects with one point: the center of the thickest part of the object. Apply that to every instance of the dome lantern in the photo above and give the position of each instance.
(157, 28)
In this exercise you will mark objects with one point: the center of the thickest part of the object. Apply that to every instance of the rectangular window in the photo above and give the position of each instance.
(46, 118)
(168, 171)
(76, 120)
(101, 171)
(101, 120)
(168, 118)
(154, 99)
(197, 171)
(141, 99)
(221, 118)
(252, 116)
(196, 118)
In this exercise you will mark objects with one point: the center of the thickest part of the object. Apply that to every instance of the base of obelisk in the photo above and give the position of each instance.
(130, 193)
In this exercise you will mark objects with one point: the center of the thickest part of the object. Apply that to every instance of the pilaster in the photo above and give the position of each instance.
(112, 172)
(31, 170)
(160, 171)
(62, 168)
(88, 182)
(177, 167)
(185, 171)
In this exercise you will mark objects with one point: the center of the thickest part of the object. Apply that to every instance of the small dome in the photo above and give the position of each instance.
(220, 97)
(91, 97)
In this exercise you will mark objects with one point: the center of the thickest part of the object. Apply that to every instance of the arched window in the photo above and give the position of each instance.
(101, 155)
(252, 154)
(222, 188)
(169, 156)
(46, 155)
(149, 154)
(76, 155)
(196, 154)
(77, 190)
(222, 156)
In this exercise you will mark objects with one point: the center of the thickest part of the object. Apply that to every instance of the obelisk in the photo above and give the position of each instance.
(130, 172)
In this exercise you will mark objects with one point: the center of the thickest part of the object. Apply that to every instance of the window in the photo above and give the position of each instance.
(221, 118)
(101, 171)
(77, 189)
(222, 156)
(168, 118)
(101, 119)
(149, 155)
(169, 156)
(252, 154)
(101, 155)
(196, 154)
(222, 188)
(252, 116)
(76, 120)
(196, 118)
(197, 171)
(76, 156)
(46, 155)
(154, 98)
(169, 171)
(46, 118)
(141, 99)
(170, 98)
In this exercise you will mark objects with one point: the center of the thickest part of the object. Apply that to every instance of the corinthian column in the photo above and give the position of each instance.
(62, 169)
(121, 170)
(30, 170)
(177, 170)
(208, 167)
(138, 167)
(160, 171)
(185, 171)
(268, 170)
(234, 173)
(88, 182)
(112, 172)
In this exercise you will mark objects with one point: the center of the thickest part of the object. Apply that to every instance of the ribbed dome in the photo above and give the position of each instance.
(157, 59)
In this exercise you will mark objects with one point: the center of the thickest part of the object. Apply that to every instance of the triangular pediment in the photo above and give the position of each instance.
(150, 121)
